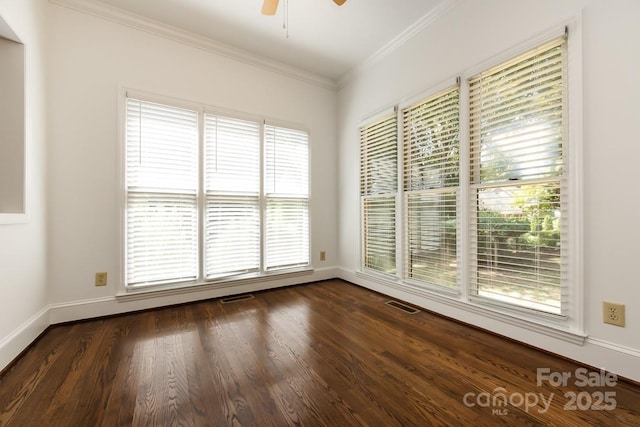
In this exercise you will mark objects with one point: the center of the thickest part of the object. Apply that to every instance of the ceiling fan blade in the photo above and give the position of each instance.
(269, 7)
(339, 2)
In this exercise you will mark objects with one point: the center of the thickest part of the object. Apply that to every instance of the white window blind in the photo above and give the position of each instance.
(378, 190)
(431, 179)
(162, 183)
(379, 229)
(232, 183)
(517, 133)
(287, 197)
(210, 196)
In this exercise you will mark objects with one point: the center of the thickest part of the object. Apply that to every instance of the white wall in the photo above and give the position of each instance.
(23, 246)
(473, 32)
(91, 58)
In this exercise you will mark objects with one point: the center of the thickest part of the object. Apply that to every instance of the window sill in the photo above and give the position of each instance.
(145, 292)
(13, 218)
(541, 324)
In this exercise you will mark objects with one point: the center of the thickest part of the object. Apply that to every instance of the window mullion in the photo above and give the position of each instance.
(262, 198)
(466, 211)
(401, 240)
(201, 194)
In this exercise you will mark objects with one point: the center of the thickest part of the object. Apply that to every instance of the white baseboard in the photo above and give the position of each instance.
(17, 341)
(87, 309)
(601, 354)
(590, 351)
(615, 347)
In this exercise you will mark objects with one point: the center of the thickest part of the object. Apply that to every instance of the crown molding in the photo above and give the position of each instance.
(188, 38)
(411, 31)
(7, 33)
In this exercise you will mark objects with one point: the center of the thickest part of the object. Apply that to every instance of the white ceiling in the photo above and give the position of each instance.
(324, 39)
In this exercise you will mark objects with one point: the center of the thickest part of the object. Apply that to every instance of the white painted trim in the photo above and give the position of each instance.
(432, 91)
(202, 109)
(410, 32)
(7, 33)
(23, 216)
(157, 28)
(377, 115)
(570, 327)
(17, 341)
(90, 308)
(575, 284)
(616, 358)
(589, 351)
(519, 48)
(614, 347)
(121, 190)
(486, 311)
(17, 218)
(232, 281)
(575, 100)
(150, 26)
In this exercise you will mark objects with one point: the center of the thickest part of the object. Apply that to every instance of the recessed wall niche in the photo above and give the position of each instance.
(12, 126)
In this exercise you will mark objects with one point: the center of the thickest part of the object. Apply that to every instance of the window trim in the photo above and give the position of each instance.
(478, 184)
(573, 318)
(265, 196)
(569, 328)
(201, 283)
(370, 120)
(407, 193)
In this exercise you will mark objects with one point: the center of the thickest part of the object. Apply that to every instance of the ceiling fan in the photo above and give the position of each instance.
(269, 7)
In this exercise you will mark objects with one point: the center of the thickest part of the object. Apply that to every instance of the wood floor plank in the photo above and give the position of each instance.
(385, 375)
(16, 389)
(217, 368)
(54, 393)
(120, 405)
(324, 354)
(292, 360)
(76, 398)
(195, 369)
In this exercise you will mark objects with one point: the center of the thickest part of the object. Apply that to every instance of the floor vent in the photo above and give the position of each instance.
(235, 298)
(403, 307)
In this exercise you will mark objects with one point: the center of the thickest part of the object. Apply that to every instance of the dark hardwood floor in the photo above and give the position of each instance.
(325, 354)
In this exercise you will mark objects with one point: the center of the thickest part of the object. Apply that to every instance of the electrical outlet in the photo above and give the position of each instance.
(101, 279)
(323, 255)
(613, 314)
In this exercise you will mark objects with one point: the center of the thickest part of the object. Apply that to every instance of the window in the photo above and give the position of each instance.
(287, 198)
(431, 178)
(224, 199)
(517, 133)
(378, 189)
(502, 189)
(162, 193)
(232, 185)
